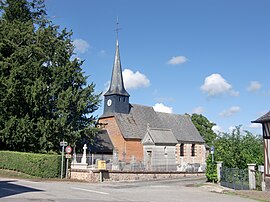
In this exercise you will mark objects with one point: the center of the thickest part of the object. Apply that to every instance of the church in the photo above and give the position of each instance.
(141, 133)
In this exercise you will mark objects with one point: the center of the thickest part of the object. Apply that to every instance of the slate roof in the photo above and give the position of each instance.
(181, 126)
(264, 118)
(134, 124)
(102, 143)
(117, 85)
(162, 136)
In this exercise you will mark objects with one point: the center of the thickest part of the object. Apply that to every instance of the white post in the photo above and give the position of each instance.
(251, 176)
(219, 167)
(261, 170)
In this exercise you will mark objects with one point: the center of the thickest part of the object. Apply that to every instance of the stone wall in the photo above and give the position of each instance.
(267, 183)
(94, 175)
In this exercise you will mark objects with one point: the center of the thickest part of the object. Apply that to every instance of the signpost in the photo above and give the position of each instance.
(68, 156)
(63, 144)
(212, 150)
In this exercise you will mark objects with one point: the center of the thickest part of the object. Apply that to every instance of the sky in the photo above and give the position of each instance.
(210, 57)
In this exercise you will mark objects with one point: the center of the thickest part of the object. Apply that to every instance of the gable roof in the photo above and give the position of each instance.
(181, 126)
(134, 124)
(161, 136)
(263, 119)
(102, 143)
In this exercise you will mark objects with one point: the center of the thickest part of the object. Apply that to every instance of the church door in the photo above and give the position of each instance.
(149, 160)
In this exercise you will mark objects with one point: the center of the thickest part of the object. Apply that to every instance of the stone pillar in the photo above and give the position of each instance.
(251, 176)
(219, 167)
(261, 170)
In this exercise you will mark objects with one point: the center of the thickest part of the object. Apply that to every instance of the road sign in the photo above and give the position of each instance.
(68, 156)
(212, 149)
(63, 143)
(68, 149)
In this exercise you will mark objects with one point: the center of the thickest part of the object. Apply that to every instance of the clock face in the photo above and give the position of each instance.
(109, 102)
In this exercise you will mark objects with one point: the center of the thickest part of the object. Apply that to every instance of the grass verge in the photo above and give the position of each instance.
(14, 174)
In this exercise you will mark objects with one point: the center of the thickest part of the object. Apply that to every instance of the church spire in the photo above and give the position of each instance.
(116, 99)
(117, 84)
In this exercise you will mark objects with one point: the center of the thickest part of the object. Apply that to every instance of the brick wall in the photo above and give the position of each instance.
(187, 158)
(130, 147)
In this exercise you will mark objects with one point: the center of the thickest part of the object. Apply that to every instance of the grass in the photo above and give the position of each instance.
(14, 174)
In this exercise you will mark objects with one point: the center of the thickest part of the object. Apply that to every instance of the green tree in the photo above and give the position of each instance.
(44, 96)
(236, 150)
(204, 126)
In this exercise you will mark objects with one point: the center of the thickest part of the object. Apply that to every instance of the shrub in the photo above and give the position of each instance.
(40, 165)
(211, 170)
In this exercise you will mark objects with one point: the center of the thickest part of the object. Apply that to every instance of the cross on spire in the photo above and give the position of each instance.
(117, 28)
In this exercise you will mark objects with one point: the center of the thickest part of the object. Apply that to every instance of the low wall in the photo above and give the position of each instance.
(95, 175)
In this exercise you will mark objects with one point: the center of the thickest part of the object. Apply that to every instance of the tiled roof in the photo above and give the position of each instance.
(181, 126)
(134, 124)
(102, 143)
(162, 136)
(264, 118)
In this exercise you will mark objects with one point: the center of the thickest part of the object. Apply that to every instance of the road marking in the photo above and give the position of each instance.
(89, 190)
(159, 186)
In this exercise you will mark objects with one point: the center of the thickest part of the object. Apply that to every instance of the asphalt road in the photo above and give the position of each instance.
(63, 191)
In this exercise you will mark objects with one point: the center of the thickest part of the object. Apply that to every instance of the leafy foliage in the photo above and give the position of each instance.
(40, 165)
(44, 97)
(236, 150)
(204, 126)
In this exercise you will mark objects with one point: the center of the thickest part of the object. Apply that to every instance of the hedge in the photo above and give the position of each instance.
(40, 165)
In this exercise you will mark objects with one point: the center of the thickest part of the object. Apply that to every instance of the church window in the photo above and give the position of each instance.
(124, 99)
(182, 149)
(193, 150)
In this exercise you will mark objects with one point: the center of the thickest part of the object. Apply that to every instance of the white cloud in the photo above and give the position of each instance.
(159, 107)
(255, 125)
(80, 45)
(254, 86)
(215, 84)
(106, 87)
(177, 60)
(229, 112)
(134, 79)
(231, 129)
(217, 129)
(198, 110)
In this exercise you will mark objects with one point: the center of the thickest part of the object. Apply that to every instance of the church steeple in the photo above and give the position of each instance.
(116, 99)
(117, 84)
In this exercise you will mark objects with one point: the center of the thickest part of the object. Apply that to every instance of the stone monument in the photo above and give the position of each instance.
(83, 164)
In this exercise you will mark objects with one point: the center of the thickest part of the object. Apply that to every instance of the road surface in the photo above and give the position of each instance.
(12, 190)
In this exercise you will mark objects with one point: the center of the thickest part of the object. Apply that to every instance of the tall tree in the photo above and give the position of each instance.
(44, 96)
(204, 126)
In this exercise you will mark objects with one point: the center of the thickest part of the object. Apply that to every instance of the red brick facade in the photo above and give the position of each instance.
(131, 147)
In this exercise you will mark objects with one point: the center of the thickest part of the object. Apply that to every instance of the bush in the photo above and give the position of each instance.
(40, 165)
(211, 170)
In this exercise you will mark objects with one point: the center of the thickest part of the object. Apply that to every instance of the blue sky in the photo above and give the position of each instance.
(182, 56)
